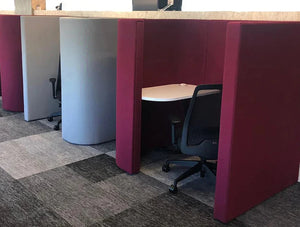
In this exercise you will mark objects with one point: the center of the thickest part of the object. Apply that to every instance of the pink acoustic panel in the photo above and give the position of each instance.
(174, 52)
(129, 86)
(215, 53)
(260, 124)
(11, 63)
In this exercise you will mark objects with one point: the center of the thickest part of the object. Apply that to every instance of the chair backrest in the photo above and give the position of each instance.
(201, 125)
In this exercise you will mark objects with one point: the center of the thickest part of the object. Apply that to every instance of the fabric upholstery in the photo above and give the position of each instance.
(11, 63)
(129, 85)
(260, 125)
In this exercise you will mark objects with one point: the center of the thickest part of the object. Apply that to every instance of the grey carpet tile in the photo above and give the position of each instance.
(106, 147)
(202, 189)
(134, 189)
(167, 210)
(52, 123)
(34, 154)
(4, 113)
(283, 209)
(14, 127)
(96, 168)
(157, 155)
(111, 154)
(19, 207)
(155, 170)
(73, 197)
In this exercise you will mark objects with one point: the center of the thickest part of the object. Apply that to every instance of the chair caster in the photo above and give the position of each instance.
(50, 119)
(56, 127)
(173, 189)
(165, 168)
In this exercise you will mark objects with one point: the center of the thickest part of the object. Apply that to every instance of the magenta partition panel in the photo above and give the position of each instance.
(129, 86)
(11, 63)
(215, 53)
(260, 125)
(158, 52)
(174, 52)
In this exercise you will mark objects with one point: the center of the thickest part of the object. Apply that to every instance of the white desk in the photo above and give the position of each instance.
(172, 92)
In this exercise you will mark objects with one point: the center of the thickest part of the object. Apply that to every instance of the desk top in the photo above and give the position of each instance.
(172, 92)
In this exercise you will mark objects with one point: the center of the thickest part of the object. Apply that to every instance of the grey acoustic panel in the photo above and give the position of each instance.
(40, 56)
(88, 61)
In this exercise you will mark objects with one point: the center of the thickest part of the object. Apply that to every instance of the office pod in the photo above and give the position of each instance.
(160, 52)
(257, 63)
(40, 54)
(11, 63)
(88, 72)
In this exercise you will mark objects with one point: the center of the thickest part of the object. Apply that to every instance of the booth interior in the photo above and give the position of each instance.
(256, 62)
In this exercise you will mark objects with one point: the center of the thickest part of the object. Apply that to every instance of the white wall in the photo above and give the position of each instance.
(91, 5)
(238, 5)
(7, 5)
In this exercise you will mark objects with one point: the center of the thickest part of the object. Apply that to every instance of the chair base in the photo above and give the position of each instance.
(197, 166)
(50, 119)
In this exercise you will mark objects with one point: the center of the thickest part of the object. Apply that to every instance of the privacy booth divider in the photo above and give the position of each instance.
(258, 65)
(260, 125)
(88, 67)
(11, 63)
(40, 54)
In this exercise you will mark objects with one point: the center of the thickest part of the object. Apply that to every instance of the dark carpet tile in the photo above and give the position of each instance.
(106, 147)
(74, 197)
(134, 189)
(283, 209)
(14, 127)
(18, 207)
(167, 210)
(97, 168)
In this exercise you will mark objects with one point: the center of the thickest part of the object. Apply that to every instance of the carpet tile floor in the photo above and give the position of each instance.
(45, 181)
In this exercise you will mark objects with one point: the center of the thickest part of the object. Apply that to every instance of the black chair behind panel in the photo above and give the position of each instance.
(56, 92)
(200, 134)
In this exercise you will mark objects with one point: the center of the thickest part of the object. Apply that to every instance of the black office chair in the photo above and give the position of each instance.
(56, 92)
(200, 134)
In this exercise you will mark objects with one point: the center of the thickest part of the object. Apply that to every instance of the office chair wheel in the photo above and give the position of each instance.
(165, 168)
(173, 189)
(56, 127)
(50, 119)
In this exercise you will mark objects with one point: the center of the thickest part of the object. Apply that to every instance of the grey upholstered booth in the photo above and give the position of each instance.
(40, 56)
(88, 72)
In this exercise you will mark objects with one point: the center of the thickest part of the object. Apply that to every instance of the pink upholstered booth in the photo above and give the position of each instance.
(260, 125)
(11, 63)
(158, 52)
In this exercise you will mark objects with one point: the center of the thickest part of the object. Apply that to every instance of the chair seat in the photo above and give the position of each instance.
(197, 136)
